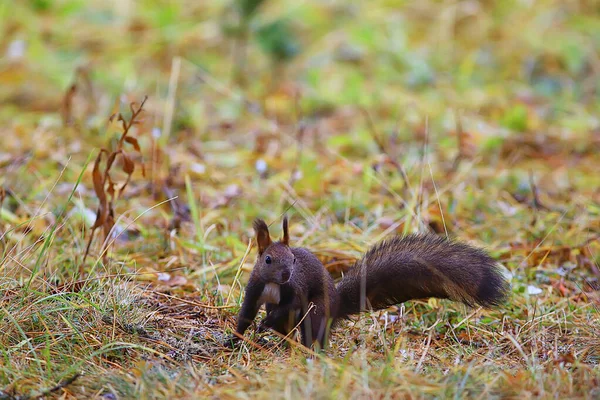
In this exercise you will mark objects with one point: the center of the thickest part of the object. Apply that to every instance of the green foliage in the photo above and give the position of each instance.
(515, 118)
(247, 8)
(278, 40)
(41, 5)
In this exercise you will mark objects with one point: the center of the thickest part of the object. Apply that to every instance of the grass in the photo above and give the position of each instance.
(470, 119)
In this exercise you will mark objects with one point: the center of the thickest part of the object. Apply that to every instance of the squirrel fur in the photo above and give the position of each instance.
(297, 290)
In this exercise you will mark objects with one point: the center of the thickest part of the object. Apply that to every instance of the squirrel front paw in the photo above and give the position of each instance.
(264, 326)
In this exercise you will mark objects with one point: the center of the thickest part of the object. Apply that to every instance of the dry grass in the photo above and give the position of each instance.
(431, 116)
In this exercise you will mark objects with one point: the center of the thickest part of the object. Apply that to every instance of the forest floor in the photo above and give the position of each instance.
(476, 120)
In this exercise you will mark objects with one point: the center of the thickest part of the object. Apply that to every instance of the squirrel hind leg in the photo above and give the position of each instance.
(316, 325)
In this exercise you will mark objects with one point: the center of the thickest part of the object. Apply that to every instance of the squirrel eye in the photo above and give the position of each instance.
(268, 259)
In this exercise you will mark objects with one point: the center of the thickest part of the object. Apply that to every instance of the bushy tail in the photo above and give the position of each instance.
(419, 266)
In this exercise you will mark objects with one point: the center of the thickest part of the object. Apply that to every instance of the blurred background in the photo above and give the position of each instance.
(510, 68)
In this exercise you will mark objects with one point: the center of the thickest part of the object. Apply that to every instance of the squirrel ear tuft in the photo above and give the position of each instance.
(263, 239)
(286, 235)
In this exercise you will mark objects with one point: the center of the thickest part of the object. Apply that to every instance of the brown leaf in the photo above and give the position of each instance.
(111, 160)
(124, 124)
(99, 219)
(97, 178)
(566, 358)
(133, 141)
(128, 164)
(107, 228)
(124, 185)
(111, 189)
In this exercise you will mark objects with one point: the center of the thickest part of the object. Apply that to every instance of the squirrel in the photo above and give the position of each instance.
(297, 290)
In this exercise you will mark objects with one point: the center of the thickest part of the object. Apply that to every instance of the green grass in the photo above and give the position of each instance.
(510, 89)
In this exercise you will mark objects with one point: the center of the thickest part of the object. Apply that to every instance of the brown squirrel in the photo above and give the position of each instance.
(298, 291)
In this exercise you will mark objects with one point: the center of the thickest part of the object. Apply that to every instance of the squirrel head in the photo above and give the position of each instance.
(275, 261)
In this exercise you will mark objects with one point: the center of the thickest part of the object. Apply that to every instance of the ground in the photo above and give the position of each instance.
(476, 120)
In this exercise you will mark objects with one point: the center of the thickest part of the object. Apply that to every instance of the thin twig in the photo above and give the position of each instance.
(422, 359)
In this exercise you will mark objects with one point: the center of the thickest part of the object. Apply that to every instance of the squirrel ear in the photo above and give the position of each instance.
(262, 235)
(286, 235)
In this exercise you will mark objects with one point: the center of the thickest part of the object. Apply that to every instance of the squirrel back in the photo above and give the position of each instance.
(419, 266)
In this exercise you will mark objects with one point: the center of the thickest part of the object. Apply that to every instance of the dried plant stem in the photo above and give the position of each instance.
(104, 186)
